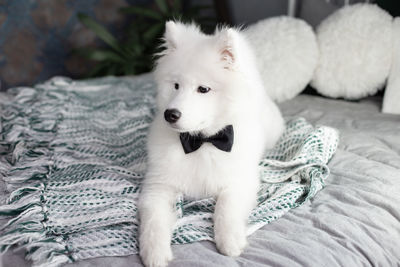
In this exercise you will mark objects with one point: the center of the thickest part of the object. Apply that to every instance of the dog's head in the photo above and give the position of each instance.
(195, 73)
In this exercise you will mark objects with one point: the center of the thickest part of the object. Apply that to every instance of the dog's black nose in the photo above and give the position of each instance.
(172, 115)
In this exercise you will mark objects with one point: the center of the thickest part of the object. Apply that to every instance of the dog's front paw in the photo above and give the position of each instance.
(230, 243)
(155, 254)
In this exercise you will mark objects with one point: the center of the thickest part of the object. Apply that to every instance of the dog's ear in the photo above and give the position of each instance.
(226, 39)
(177, 32)
(171, 34)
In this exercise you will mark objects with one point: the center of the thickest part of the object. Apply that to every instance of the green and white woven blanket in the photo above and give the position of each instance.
(73, 156)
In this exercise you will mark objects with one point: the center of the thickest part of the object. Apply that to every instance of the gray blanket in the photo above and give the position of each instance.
(354, 221)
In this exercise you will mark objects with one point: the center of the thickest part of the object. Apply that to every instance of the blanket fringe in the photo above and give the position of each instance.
(29, 230)
(48, 252)
(27, 161)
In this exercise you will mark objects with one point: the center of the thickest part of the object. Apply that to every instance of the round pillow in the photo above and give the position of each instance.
(355, 45)
(287, 54)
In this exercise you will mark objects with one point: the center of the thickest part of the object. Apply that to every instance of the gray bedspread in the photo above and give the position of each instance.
(354, 221)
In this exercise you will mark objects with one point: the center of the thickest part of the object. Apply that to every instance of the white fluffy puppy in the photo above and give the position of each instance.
(214, 123)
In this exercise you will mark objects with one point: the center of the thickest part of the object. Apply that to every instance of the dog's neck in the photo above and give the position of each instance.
(210, 131)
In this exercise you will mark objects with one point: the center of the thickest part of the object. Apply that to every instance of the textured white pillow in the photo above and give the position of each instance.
(355, 45)
(287, 54)
(391, 100)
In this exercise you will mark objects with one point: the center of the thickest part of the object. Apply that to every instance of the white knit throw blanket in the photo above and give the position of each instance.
(72, 154)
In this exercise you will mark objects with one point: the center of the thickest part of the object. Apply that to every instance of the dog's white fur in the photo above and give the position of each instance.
(287, 54)
(355, 46)
(225, 63)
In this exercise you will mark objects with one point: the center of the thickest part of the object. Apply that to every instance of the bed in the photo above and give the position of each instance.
(353, 221)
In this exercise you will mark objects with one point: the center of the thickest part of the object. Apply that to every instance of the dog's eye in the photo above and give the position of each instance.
(203, 89)
(176, 86)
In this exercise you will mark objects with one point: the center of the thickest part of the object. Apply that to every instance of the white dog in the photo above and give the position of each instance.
(214, 123)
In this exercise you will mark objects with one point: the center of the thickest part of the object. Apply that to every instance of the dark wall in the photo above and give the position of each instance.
(37, 37)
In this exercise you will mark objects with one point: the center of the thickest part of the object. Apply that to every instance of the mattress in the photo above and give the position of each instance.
(353, 221)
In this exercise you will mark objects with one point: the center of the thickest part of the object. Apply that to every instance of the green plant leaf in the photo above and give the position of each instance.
(135, 54)
(112, 70)
(104, 55)
(134, 37)
(145, 12)
(162, 5)
(136, 49)
(97, 70)
(153, 32)
(100, 31)
(129, 69)
(99, 54)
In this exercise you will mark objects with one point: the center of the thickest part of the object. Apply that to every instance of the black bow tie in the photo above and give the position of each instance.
(222, 140)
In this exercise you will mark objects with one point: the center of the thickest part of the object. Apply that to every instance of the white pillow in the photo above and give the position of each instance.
(391, 100)
(355, 45)
(287, 54)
